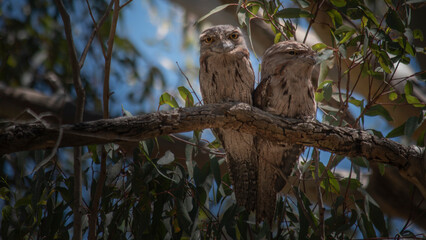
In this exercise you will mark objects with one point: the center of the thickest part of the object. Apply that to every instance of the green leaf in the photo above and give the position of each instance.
(393, 20)
(356, 102)
(277, 37)
(336, 18)
(378, 219)
(293, 13)
(124, 112)
(410, 126)
(168, 158)
(346, 37)
(166, 98)
(189, 162)
(215, 169)
(418, 34)
(327, 54)
(6, 212)
(344, 29)
(215, 10)
(187, 96)
(241, 15)
(93, 149)
(4, 191)
(249, 36)
(324, 91)
(338, 3)
(303, 3)
(408, 90)
(376, 133)
(23, 201)
(383, 64)
(319, 46)
(378, 110)
(370, 16)
(360, 161)
(415, 1)
(353, 183)
(393, 96)
(396, 132)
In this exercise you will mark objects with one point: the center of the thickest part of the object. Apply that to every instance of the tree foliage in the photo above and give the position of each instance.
(140, 192)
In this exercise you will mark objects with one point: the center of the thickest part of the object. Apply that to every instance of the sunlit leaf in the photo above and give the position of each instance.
(393, 96)
(344, 29)
(166, 98)
(124, 112)
(408, 90)
(293, 13)
(319, 46)
(335, 17)
(215, 10)
(303, 3)
(338, 3)
(346, 38)
(168, 158)
(418, 34)
(187, 96)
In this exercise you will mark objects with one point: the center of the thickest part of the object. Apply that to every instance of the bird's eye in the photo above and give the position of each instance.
(292, 53)
(208, 40)
(234, 36)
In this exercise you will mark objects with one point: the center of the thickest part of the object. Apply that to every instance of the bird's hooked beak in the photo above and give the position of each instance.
(224, 47)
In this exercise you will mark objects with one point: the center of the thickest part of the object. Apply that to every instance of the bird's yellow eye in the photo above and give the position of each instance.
(234, 36)
(208, 40)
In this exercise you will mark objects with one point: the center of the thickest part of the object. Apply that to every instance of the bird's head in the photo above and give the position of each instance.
(288, 55)
(221, 39)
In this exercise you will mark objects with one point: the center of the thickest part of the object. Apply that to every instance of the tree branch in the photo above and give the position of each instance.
(237, 116)
(81, 96)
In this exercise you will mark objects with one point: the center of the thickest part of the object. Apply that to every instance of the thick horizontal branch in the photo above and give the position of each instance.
(238, 116)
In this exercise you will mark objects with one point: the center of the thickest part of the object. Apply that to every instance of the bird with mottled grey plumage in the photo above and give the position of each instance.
(226, 75)
(285, 90)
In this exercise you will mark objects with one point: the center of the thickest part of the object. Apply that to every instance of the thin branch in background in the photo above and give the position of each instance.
(106, 93)
(93, 217)
(125, 4)
(312, 20)
(193, 91)
(321, 225)
(95, 32)
(198, 146)
(81, 96)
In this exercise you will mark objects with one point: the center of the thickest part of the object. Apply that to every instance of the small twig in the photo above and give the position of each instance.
(198, 146)
(108, 59)
(189, 83)
(122, 6)
(94, 32)
(312, 20)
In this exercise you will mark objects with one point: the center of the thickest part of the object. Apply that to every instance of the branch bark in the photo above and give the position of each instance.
(237, 116)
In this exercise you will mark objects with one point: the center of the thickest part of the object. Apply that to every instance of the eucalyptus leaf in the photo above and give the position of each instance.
(215, 10)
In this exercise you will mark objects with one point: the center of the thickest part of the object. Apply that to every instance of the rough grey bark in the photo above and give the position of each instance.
(237, 116)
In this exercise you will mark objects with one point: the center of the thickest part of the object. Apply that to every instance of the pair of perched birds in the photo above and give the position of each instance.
(256, 165)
